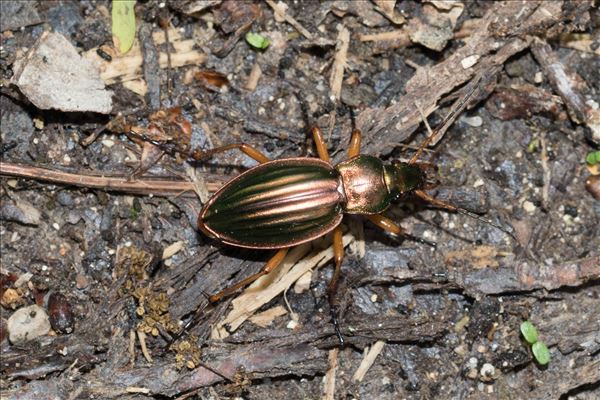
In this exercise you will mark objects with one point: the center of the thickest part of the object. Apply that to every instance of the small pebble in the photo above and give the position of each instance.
(529, 206)
(472, 373)
(592, 185)
(472, 363)
(28, 323)
(81, 281)
(475, 121)
(460, 350)
(487, 371)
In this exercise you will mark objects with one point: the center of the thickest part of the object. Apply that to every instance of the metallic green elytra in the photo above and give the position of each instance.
(277, 204)
(286, 202)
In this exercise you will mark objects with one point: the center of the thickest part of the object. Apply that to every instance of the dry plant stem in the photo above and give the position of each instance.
(330, 376)
(154, 186)
(368, 361)
(558, 76)
(290, 20)
(339, 63)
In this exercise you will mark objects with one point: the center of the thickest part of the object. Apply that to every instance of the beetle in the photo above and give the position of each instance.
(282, 203)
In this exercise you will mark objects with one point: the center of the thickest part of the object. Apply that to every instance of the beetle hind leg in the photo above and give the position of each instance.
(243, 147)
(338, 253)
(269, 266)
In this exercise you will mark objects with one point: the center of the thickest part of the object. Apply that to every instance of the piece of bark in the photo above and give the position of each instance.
(527, 276)
(559, 78)
(255, 362)
(523, 101)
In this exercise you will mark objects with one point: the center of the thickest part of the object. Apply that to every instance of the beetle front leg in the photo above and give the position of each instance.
(390, 226)
(338, 255)
(243, 147)
(354, 147)
(320, 144)
(269, 266)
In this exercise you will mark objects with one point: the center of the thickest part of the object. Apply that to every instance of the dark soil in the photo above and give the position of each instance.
(449, 316)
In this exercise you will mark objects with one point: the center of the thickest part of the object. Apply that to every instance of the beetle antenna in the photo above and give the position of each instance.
(352, 118)
(487, 221)
(419, 240)
(462, 211)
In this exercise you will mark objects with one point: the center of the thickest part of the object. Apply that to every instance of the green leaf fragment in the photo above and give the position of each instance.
(533, 145)
(529, 332)
(123, 24)
(541, 353)
(593, 157)
(257, 41)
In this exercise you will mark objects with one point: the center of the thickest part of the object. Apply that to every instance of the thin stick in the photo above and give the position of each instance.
(155, 186)
(457, 108)
(290, 20)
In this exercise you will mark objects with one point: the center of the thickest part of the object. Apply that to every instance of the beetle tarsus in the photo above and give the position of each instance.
(336, 325)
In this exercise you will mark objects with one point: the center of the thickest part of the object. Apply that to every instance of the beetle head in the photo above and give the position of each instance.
(402, 177)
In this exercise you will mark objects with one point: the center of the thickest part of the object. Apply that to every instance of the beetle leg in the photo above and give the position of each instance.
(386, 224)
(354, 147)
(269, 266)
(320, 144)
(338, 252)
(243, 147)
(390, 226)
(435, 201)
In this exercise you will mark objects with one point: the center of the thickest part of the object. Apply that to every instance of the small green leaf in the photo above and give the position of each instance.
(533, 145)
(541, 353)
(593, 157)
(529, 332)
(257, 41)
(123, 24)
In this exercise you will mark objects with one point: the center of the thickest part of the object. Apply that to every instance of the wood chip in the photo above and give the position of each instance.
(468, 62)
(128, 67)
(303, 283)
(388, 9)
(266, 317)
(398, 34)
(384, 128)
(368, 361)
(253, 78)
(54, 76)
(172, 249)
